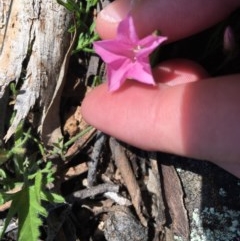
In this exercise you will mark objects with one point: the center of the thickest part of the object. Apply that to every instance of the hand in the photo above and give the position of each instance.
(182, 115)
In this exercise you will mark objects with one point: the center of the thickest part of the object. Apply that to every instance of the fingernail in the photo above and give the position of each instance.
(229, 41)
(116, 11)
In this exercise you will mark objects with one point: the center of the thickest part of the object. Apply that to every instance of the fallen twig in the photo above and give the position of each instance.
(130, 181)
(93, 191)
(174, 197)
(75, 171)
(5, 206)
(155, 187)
(79, 144)
(118, 199)
(96, 152)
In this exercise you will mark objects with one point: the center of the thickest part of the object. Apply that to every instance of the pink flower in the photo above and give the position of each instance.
(127, 56)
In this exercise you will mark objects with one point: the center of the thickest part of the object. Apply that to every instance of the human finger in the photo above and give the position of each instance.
(175, 19)
(198, 120)
(129, 114)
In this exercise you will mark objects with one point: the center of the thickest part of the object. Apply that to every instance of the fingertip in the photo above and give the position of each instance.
(108, 19)
(89, 105)
(170, 72)
(134, 106)
(179, 71)
(104, 28)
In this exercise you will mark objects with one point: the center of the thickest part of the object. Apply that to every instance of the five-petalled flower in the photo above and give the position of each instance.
(127, 56)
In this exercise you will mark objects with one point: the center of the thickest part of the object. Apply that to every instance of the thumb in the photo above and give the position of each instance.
(175, 19)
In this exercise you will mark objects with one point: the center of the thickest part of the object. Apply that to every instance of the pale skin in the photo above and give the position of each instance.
(188, 113)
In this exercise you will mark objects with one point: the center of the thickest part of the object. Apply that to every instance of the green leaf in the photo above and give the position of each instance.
(4, 155)
(27, 206)
(4, 197)
(69, 5)
(28, 215)
(38, 186)
(52, 197)
(3, 174)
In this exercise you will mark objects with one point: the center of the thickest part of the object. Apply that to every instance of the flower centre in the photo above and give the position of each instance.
(135, 50)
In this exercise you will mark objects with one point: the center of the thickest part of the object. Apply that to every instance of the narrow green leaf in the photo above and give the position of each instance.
(4, 155)
(52, 197)
(38, 186)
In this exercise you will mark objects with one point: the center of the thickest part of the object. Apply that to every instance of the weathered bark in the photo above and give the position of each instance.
(34, 40)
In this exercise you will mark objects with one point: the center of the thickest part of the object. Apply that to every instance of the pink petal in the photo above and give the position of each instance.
(126, 31)
(149, 44)
(141, 72)
(152, 41)
(116, 76)
(110, 50)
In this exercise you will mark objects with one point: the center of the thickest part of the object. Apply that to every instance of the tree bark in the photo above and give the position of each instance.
(33, 44)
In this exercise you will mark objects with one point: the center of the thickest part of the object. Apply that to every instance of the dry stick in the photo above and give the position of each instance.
(93, 163)
(93, 191)
(175, 199)
(122, 201)
(160, 217)
(3, 107)
(79, 144)
(74, 171)
(123, 165)
(5, 206)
